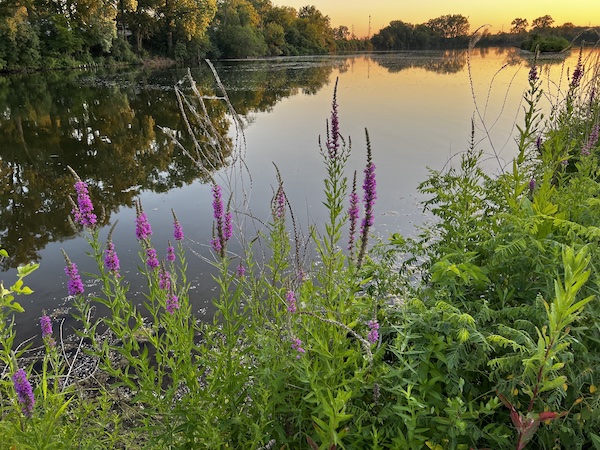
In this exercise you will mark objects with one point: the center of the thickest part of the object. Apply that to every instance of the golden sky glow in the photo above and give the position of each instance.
(497, 14)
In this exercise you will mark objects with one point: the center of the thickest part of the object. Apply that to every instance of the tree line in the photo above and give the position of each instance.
(453, 31)
(67, 33)
(63, 33)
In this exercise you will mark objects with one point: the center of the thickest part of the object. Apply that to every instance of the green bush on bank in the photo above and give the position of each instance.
(544, 44)
(480, 332)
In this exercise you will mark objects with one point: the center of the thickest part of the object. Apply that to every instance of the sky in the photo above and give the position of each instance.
(497, 14)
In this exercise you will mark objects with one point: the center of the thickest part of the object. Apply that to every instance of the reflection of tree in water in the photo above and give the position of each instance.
(107, 131)
(446, 62)
(258, 85)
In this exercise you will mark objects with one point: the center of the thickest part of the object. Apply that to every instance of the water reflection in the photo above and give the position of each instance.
(445, 62)
(105, 126)
(455, 61)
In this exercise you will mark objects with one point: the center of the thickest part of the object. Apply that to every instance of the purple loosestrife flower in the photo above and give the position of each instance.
(46, 326)
(217, 202)
(353, 213)
(24, 392)
(538, 143)
(215, 243)
(172, 303)
(170, 253)
(370, 194)
(177, 229)
(373, 335)
(241, 270)
(577, 73)
(333, 132)
(227, 227)
(297, 346)
(74, 285)
(164, 279)
(111, 260)
(84, 210)
(591, 142)
(290, 299)
(533, 74)
(532, 185)
(151, 258)
(278, 203)
(218, 241)
(142, 227)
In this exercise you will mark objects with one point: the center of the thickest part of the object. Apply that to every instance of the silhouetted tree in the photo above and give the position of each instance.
(542, 23)
(519, 25)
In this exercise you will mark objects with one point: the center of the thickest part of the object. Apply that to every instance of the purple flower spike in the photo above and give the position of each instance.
(74, 285)
(216, 245)
(577, 73)
(532, 185)
(297, 346)
(591, 142)
(217, 202)
(370, 194)
(373, 335)
(84, 211)
(142, 227)
(151, 258)
(24, 392)
(46, 326)
(170, 253)
(228, 227)
(278, 203)
(241, 270)
(177, 229)
(333, 133)
(111, 260)
(353, 213)
(290, 299)
(222, 230)
(533, 74)
(172, 303)
(164, 280)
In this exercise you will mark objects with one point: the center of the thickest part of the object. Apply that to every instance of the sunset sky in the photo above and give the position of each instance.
(497, 14)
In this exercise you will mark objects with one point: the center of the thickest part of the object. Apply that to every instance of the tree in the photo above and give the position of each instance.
(519, 25)
(542, 22)
(236, 30)
(315, 31)
(341, 33)
(450, 26)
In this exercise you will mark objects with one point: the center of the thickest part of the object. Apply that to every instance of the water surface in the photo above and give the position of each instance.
(108, 126)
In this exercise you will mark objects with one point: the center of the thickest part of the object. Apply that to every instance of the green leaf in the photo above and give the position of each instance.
(16, 307)
(3, 253)
(553, 384)
(595, 440)
(23, 271)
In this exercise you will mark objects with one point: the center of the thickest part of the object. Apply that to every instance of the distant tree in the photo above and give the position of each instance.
(519, 25)
(274, 36)
(19, 43)
(341, 33)
(450, 26)
(316, 35)
(236, 30)
(542, 22)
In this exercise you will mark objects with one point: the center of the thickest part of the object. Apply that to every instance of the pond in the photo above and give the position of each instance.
(111, 128)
